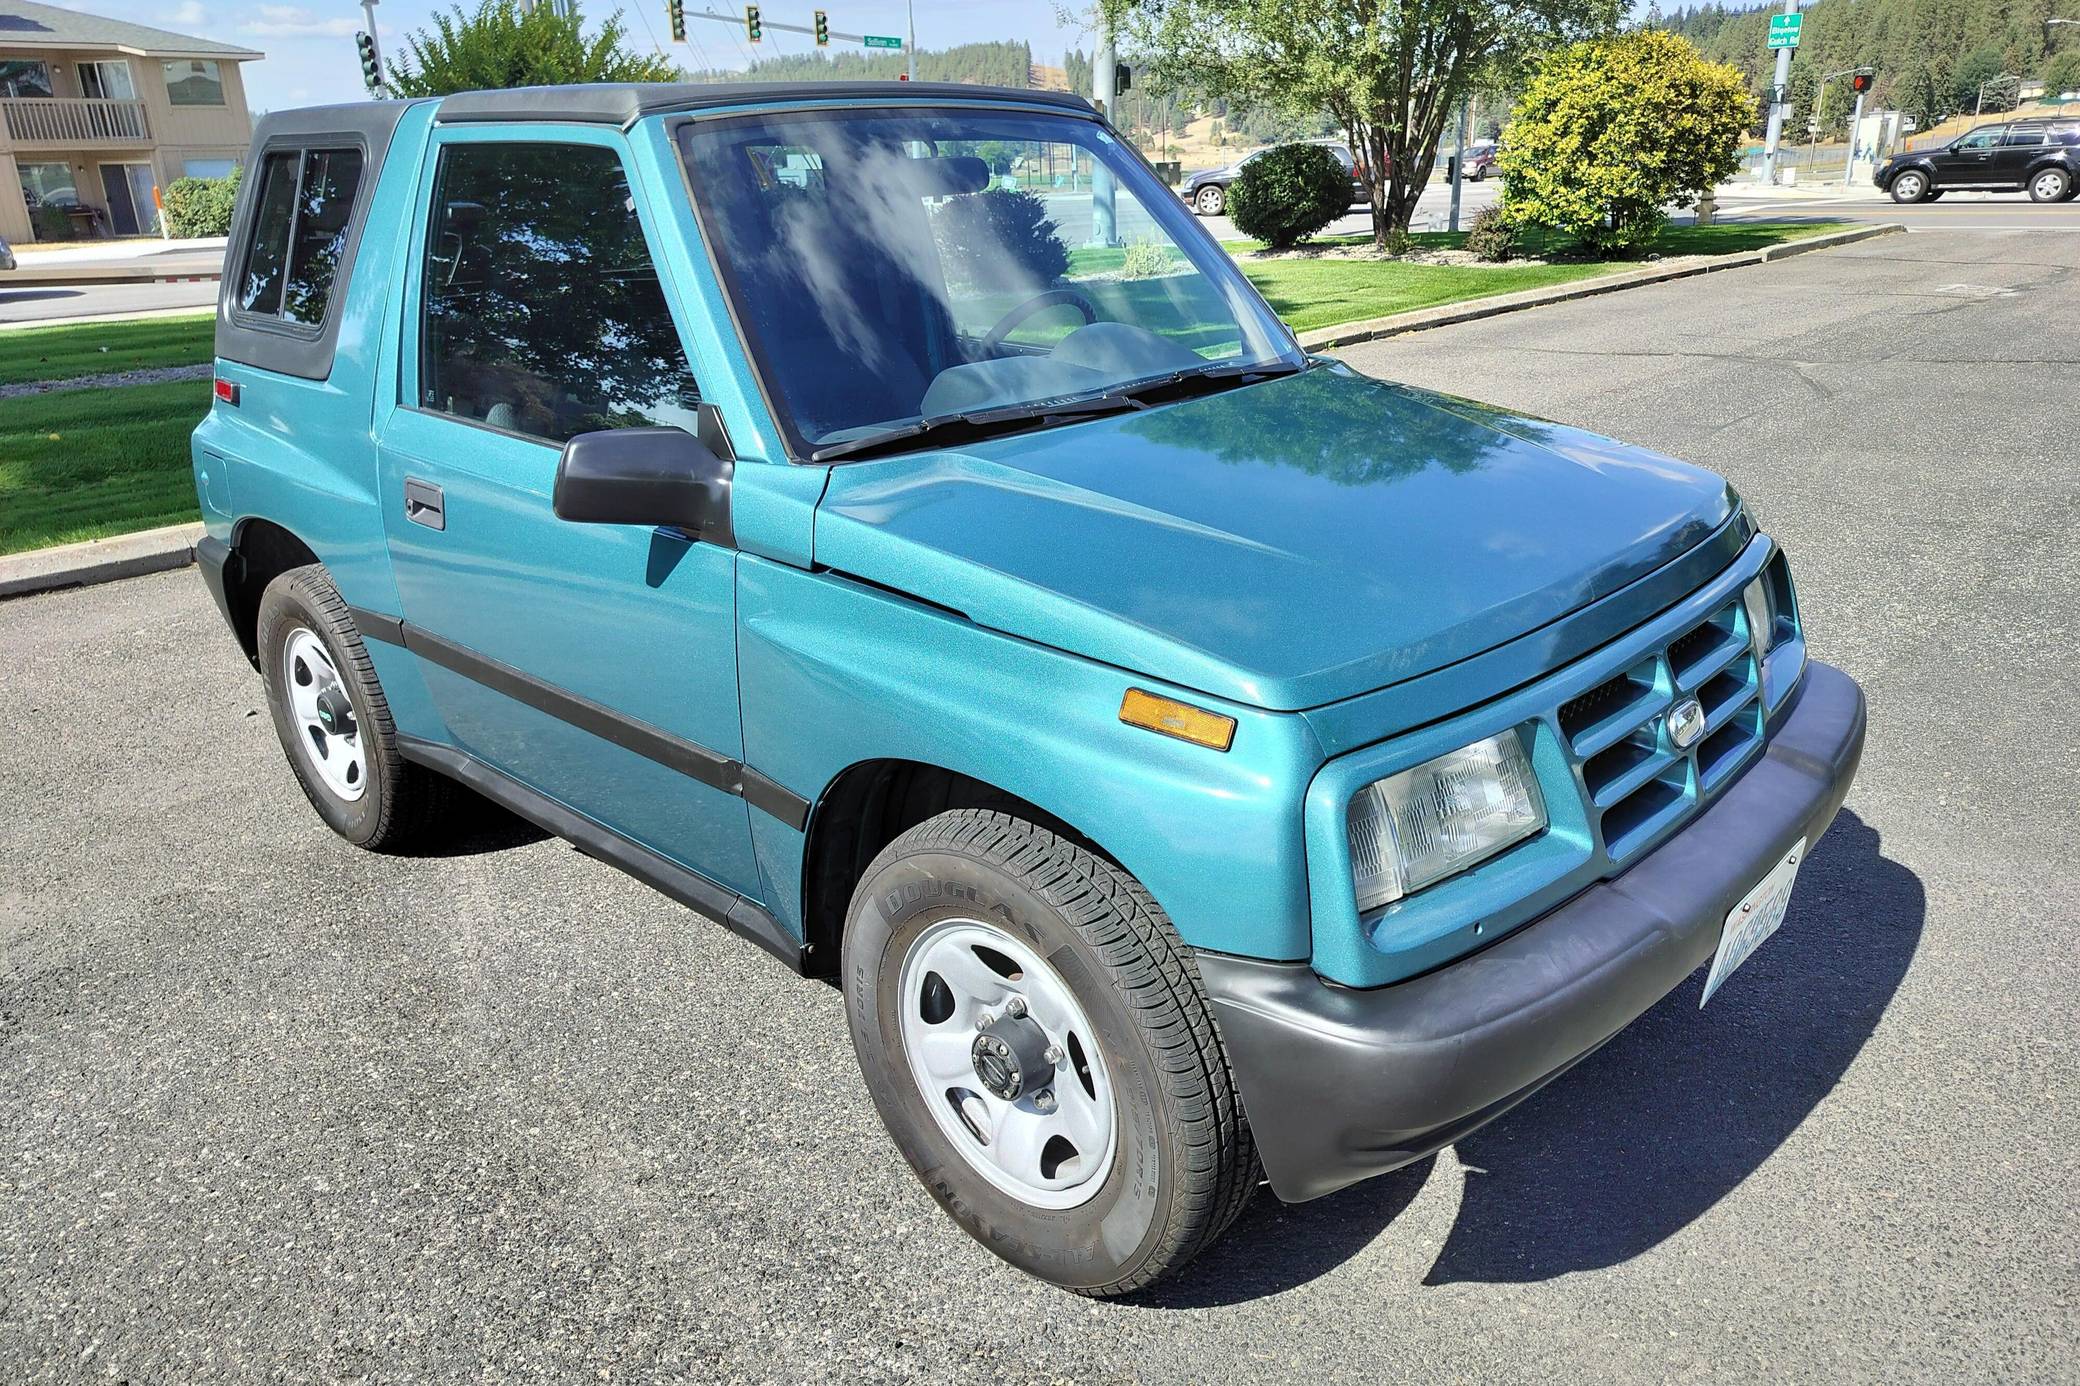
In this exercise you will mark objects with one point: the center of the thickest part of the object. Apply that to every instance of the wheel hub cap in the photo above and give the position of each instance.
(1010, 1058)
(328, 737)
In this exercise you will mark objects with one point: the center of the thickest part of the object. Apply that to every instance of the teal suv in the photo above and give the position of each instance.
(1196, 763)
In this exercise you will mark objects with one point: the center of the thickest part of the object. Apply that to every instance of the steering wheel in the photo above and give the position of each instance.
(1050, 299)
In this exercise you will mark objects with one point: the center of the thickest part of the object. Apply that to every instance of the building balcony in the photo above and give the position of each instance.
(77, 121)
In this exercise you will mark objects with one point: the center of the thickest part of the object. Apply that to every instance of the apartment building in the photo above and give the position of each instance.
(96, 114)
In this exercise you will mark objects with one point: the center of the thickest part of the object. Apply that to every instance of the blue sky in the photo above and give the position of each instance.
(310, 43)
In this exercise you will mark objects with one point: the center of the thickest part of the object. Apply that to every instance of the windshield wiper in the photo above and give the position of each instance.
(975, 424)
(1202, 380)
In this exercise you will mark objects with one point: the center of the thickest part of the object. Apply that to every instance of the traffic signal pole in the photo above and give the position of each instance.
(375, 50)
(1778, 94)
(1855, 124)
(1104, 93)
(764, 23)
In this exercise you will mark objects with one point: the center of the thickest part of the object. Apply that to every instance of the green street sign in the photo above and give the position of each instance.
(881, 41)
(1783, 30)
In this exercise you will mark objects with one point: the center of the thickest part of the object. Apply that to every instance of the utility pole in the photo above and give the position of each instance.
(1104, 84)
(1855, 124)
(910, 35)
(1776, 106)
(1459, 158)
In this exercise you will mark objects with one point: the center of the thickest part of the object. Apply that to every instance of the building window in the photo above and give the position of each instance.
(107, 81)
(24, 77)
(194, 82)
(207, 168)
(51, 194)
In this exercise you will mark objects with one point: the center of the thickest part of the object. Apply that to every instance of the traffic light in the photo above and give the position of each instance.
(823, 30)
(1122, 79)
(1860, 83)
(371, 70)
(675, 11)
(752, 28)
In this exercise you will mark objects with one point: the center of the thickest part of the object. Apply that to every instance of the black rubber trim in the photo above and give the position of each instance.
(1341, 1084)
(212, 556)
(629, 733)
(689, 888)
(775, 798)
(622, 104)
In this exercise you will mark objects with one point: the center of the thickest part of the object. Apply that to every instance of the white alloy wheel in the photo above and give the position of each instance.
(1209, 200)
(322, 711)
(2049, 186)
(1008, 1063)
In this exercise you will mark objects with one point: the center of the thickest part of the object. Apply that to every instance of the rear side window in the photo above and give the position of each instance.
(2025, 135)
(299, 233)
(540, 308)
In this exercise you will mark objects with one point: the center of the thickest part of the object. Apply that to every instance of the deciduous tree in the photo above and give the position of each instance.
(502, 46)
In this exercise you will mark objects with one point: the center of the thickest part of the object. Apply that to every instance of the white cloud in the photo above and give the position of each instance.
(189, 12)
(290, 21)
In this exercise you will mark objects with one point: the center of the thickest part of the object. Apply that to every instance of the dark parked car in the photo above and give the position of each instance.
(1207, 190)
(2042, 156)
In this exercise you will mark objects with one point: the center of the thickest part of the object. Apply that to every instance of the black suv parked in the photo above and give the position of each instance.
(2040, 155)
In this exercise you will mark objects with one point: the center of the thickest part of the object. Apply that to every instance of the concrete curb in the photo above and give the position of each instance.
(1472, 310)
(98, 560)
(61, 276)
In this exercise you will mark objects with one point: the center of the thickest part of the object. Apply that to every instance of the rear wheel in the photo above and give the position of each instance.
(334, 723)
(1039, 1046)
(1910, 186)
(2050, 185)
(1209, 200)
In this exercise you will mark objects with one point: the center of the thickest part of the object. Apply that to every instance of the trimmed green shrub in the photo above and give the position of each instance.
(1000, 240)
(1148, 259)
(1492, 236)
(1611, 132)
(1288, 193)
(201, 206)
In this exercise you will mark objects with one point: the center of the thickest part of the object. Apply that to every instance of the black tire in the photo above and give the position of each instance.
(1184, 1165)
(1210, 201)
(2050, 185)
(1910, 185)
(403, 807)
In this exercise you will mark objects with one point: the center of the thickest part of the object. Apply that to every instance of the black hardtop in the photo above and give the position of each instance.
(624, 103)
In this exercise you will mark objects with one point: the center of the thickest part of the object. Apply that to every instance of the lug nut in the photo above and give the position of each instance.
(982, 1022)
(1044, 1099)
(1015, 1007)
(1055, 1055)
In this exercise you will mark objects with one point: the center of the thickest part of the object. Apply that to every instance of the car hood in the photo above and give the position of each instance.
(1285, 544)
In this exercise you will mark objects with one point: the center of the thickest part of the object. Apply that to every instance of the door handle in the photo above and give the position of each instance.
(424, 505)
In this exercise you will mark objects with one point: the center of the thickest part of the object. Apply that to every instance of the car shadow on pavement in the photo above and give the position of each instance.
(1648, 1133)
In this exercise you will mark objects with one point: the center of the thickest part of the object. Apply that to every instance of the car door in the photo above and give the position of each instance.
(1969, 161)
(595, 663)
(2018, 149)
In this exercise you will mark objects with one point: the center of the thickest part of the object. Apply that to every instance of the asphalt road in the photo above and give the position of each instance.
(272, 1109)
(55, 302)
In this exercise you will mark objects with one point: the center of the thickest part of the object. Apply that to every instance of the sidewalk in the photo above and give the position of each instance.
(112, 252)
(140, 261)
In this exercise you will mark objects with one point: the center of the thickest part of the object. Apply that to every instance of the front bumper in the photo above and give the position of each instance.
(1342, 1084)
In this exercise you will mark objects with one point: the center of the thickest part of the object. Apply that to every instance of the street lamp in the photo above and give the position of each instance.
(1995, 82)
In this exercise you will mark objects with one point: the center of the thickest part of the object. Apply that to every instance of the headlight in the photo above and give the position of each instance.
(1410, 830)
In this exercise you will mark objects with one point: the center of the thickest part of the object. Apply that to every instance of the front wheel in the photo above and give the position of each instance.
(1039, 1046)
(1909, 187)
(1209, 200)
(2050, 185)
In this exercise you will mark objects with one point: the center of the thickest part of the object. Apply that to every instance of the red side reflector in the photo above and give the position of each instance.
(227, 391)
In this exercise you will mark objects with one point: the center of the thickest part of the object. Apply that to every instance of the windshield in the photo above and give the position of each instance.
(892, 270)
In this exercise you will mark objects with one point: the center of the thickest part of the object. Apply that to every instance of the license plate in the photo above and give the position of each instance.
(1754, 919)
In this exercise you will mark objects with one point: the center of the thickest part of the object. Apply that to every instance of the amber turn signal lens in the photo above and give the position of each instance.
(1181, 720)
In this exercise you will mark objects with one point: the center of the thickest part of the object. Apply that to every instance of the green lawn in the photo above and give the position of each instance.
(83, 464)
(94, 348)
(1320, 293)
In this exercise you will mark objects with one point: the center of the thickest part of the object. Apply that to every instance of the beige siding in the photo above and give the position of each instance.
(176, 133)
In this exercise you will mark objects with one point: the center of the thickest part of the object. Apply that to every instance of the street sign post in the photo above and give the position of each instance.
(881, 41)
(1783, 30)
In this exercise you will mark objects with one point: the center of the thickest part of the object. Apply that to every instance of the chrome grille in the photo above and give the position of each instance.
(1636, 782)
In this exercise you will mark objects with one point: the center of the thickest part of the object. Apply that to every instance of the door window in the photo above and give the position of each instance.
(540, 308)
(1980, 139)
(24, 77)
(107, 81)
(2024, 136)
(131, 207)
(299, 232)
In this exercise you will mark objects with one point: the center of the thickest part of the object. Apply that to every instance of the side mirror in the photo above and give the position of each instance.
(646, 476)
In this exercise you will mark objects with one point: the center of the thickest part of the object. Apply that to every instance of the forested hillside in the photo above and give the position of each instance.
(993, 64)
(1930, 57)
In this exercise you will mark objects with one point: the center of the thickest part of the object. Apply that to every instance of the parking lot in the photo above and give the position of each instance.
(275, 1110)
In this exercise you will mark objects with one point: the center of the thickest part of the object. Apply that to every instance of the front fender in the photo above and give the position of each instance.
(834, 672)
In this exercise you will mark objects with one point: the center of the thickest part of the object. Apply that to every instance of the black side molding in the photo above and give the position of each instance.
(689, 888)
(631, 734)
